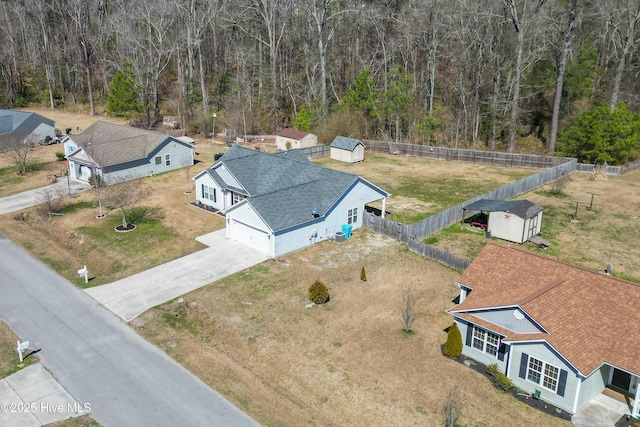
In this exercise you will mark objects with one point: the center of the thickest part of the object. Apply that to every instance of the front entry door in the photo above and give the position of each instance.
(621, 380)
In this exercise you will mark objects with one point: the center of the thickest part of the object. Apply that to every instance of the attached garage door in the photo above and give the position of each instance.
(250, 236)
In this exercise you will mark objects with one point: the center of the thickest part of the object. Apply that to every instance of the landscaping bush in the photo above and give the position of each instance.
(318, 292)
(453, 346)
(492, 370)
(363, 275)
(60, 156)
(502, 382)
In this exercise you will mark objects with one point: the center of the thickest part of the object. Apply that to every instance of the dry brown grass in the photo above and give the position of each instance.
(253, 338)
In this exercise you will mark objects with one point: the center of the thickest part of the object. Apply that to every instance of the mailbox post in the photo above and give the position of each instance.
(22, 346)
(84, 272)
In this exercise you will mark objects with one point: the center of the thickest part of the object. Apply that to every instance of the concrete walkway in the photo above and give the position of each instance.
(135, 294)
(32, 397)
(34, 197)
(602, 411)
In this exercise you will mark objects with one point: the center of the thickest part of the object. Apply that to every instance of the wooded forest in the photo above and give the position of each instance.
(513, 75)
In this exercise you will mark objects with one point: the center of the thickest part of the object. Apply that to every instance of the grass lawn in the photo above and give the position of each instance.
(605, 234)
(252, 336)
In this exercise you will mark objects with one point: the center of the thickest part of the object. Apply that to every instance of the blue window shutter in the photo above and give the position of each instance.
(562, 382)
(524, 361)
(501, 351)
(469, 334)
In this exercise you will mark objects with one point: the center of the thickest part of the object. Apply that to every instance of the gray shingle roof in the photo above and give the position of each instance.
(23, 122)
(521, 208)
(284, 189)
(110, 144)
(345, 143)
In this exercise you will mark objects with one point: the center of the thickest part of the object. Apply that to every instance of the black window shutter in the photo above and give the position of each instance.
(469, 334)
(501, 351)
(562, 382)
(202, 190)
(214, 196)
(524, 361)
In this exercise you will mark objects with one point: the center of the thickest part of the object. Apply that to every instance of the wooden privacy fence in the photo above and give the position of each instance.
(454, 214)
(471, 156)
(316, 151)
(412, 234)
(401, 232)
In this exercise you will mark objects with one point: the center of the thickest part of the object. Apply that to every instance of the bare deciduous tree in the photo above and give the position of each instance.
(51, 201)
(408, 310)
(18, 149)
(451, 408)
(125, 194)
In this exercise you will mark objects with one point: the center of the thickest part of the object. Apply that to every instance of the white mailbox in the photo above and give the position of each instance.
(84, 272)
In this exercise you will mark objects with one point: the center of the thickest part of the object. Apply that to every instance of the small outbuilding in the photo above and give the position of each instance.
(349, 150)
(289, 139)
(512, 220)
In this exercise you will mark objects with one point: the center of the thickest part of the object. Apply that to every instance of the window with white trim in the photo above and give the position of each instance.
(237, 198)
(209, 193)
(485, 341)
(543, 374)
(352, 216)
(167, 159)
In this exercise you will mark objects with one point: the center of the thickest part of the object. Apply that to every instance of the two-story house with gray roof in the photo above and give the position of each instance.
(559, 332)
(279, 203)
(119, 152)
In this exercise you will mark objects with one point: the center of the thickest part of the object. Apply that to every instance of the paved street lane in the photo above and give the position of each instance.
(98, 359)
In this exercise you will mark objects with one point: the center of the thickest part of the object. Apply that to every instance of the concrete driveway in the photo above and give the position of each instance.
(26, 199)
(32, 397)
(135, 294)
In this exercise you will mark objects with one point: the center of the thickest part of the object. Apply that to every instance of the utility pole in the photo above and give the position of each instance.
(213, 130)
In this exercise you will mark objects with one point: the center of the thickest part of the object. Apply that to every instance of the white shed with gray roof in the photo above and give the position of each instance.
(349, 150)
(513, 220)
(279, 203)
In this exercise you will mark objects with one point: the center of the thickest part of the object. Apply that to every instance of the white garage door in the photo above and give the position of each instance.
(252, 237)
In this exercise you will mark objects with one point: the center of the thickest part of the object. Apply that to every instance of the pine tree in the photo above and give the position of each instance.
(123, 98)
(453, 347)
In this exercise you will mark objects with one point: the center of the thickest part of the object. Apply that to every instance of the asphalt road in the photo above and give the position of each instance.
(98, 359)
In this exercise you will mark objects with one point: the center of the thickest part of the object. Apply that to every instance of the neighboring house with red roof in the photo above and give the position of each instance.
(565, 331)
(119, 152)
(290, 138)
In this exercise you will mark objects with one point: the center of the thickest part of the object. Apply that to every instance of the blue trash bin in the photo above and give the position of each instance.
(346, 229)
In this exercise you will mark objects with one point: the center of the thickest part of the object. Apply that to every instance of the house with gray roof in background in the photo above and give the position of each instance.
(349, 150)
(279, 203)
(24, 126)
(119, 152)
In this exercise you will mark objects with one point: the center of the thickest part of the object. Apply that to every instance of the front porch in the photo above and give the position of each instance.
(608, 409)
